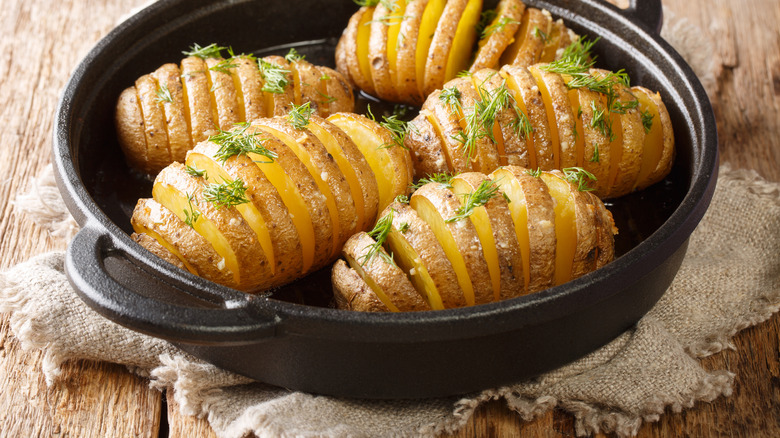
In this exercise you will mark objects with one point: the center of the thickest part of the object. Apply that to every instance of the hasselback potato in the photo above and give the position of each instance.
(402, 50)
(475, 239)
(266, 203)
(169, 111)
(547, 116)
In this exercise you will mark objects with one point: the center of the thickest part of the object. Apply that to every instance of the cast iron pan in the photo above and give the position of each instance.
(291, 337)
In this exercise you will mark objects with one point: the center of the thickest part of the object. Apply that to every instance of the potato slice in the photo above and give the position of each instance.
(438, 206)
(338, 94)
(278, 85)
(605, 234)
(351, 292)
(309, 87)
(158, 155)
(425, 36)
(391, 163)
(493, 224)
(441, 45)
(197, 98)
(223, 92)
(155, 247)
(527, 90)
(181, 240)
(355, 50)
(484, 154)
(565, 224)
(465, 36)
(418, 253)
(249, 89)
(170, 95)
(394, 20)
(224, 228)
(384, 18)
(406, 58)
(596, 128)
(498, 35)
(387, 280)
(530, 39)
(658, 149)
(129, 124)
(329, 180)
(560, 117)
(533, 214)
(445, 120)
(426, 147)
(353, 166)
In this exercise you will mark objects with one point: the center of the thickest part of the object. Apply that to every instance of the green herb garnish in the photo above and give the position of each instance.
(238, 142)
(190, 216)
(210, 51)
(499, 26)
(294, 56)
(486, 191)
(440, 178)
(534, 173)
(579, 177)
(226, 194)
(195, 172)
(299, 116)
(647, 121)
(164, 94)
(595, 158)
(380, 232)
(275, 77)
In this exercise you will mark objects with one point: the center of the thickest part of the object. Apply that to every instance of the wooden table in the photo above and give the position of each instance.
(41, 43)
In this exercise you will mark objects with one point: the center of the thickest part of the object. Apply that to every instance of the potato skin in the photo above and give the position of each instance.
(493, 45)
(350, 292)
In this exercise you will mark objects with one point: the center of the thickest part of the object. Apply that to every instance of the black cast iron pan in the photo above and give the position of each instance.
(292, 338)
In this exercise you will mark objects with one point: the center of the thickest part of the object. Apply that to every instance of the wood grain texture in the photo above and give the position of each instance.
(42, 44)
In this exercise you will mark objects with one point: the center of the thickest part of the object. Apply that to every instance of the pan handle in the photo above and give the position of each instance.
(649, 13)
(226, 324)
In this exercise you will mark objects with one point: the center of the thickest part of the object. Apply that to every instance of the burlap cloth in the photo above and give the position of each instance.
(730, 280)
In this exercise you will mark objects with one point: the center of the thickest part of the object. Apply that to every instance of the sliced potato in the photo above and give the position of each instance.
(249, 89)
(379, 64)
(446, 123)
(498, 35)
(129, 124)
(596, 138)
(197, 98)
(170, 94)
(156, 248)
(354, 45)
(428, 28)
(560, 117)
(441, 45)
(530, 39)
(278, 85)
(406, 58)
(387, 280)
(339, 96)
(427, 149)
(484, 153)
(223, 93)
(659, 143)
(351, 292)
(465, 36)
(155, 130)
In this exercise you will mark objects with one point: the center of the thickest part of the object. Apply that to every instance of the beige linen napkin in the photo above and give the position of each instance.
(730, 280)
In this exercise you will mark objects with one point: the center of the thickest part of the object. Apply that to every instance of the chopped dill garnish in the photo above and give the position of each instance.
(380, 232)
(404, 227)
(210, 51)
(299, 115)
(440, 178)
(326, 99)
(451, 97)
(367, 3)
(397, 127)
(579, 177)
(275, 77)
(464, 74)
(190, 216)
(595, 158)
(485, 19)
(224, 66)
(164, 94)
(226, 194)
(499, 26)
(601, 122)
(402, 199)
(486, 191)
(620, 107)
(195, 172)
(325, 77)
(534, 173)
(238, 142)
(647, 121)
(539, 33)
(294, 56)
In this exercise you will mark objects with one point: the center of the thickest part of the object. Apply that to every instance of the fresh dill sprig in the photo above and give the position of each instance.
(326, 99)
(534, 173)
(367, 3)
(539, 33)
(595, 158)
(440, 178)
(224, 66)
(380, 232)
(464, 74)
(404, 227)
(397, 127)
(275, 77)
(486, 191)
(226, 194)
(580, 177)
(210, 51)
(164, 94)
(647, 121)
(451, 97)
(238, 142)
(299, 116)
(601, 122)
(485, 19)
(498, 26)
(294, 56)
(325, 77)
(190, 216)
(195, 172)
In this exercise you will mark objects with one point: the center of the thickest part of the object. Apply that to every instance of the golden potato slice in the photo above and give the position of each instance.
(566, 242)
(510, 134)
(329, 180)
(130, 130)
(439, 208)
(446, 123)
(352, 293)
(426, 147)
(355, 45)
(394, 20)
(465, 35)
(441, 45)
(156, 248)
(353, 165)
(193, 250)
(391, 163)
(387, 280)
(530, 39)
(223, 227)
(249, 89)
(498, 35)
(597, 131)
(526, 89)
(266, 213)
(197, 98)
(223, 92)
(406, 58)
(658, 151)
(425, 35)
(308, 86)
(158, 155)
(483, 152)
(417, 252)
(533, 214)
(493, 223)
(170, 94)
(560, 117)
(338, 94)
(605, 234)
(278, 85)
(385, 15)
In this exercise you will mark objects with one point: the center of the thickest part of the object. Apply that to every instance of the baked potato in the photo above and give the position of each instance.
(401, 51)
(546, 117)
(270, 201)
(165, 113)
(476, 239)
